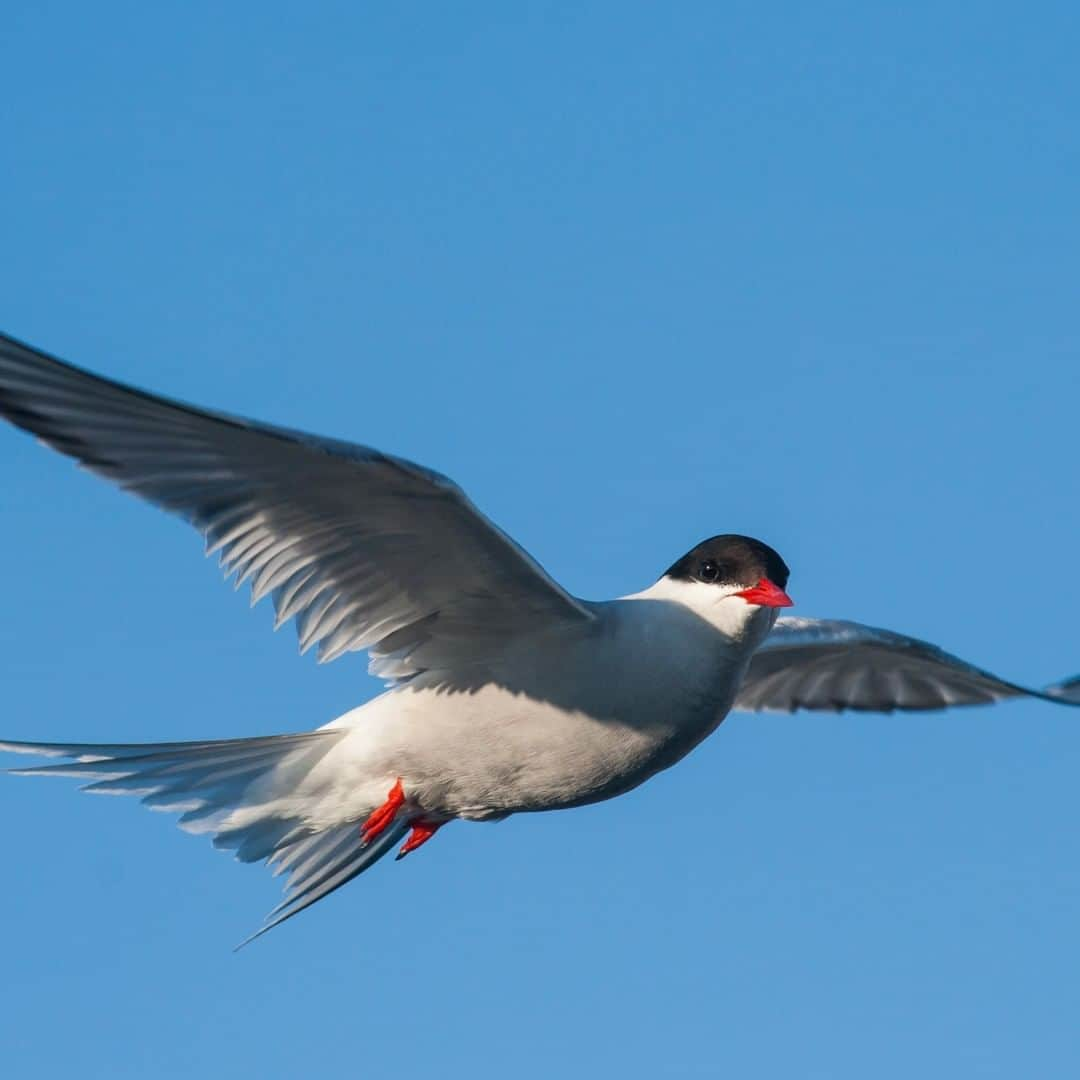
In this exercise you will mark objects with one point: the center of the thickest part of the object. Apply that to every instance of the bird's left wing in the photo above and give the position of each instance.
(364, 550)
(831, 665)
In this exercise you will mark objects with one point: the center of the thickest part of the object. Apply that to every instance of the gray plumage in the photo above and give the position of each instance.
(507, 694)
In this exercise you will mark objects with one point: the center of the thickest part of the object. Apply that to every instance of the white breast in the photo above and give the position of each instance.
(561, 720)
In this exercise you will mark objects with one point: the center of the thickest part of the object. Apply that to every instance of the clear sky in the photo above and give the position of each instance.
(632, 274)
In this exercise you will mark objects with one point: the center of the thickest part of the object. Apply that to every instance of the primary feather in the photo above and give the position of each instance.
(362, 549)
(833, 664)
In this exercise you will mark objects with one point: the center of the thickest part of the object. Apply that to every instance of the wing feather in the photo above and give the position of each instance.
(832, 665)
(358, 547)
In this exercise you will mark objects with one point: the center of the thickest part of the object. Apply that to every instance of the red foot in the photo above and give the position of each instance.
(422, 832)
(380, 818)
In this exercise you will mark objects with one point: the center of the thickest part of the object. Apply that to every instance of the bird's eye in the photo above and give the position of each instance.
(710, 571)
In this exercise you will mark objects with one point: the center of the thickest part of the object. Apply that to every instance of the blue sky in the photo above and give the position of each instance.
(632, 274)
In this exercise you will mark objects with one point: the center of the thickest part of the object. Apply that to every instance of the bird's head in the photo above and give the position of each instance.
(735, 582)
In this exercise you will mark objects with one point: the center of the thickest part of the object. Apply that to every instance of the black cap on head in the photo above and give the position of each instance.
(731, 560)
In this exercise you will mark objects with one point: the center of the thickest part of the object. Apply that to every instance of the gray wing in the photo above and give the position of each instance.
(831, 665)
(363, 550)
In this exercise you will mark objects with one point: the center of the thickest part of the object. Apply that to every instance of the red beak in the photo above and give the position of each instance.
(766, 594)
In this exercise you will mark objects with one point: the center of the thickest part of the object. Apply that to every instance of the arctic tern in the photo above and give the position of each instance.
(505, 694)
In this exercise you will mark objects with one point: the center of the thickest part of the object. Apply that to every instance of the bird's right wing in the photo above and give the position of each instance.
(362, 549)
(831, 665)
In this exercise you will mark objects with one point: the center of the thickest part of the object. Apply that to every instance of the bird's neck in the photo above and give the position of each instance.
(743, 626)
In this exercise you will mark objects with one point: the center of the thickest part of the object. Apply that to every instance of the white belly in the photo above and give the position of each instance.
(557, 723)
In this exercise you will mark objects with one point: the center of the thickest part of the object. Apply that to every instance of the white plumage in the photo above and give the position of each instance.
(506, 694)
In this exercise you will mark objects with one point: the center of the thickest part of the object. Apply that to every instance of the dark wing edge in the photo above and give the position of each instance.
(833, 665)
(332, 530)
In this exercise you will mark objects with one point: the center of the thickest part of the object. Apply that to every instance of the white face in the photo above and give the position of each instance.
(719, 605)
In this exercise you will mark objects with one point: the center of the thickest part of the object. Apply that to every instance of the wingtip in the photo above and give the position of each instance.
(252, 937)
(1067, 691)
(36, 749)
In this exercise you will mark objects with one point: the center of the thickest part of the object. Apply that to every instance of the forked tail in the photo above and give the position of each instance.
(237, 790)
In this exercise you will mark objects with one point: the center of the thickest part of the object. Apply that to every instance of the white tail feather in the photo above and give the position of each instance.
(233, 790)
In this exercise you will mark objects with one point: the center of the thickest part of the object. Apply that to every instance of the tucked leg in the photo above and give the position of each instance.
(422, 832)
(379, 819)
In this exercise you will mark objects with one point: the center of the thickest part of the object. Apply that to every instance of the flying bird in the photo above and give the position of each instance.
(505, 693)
